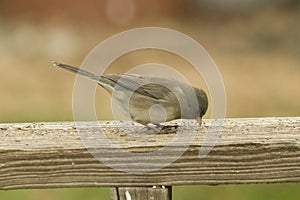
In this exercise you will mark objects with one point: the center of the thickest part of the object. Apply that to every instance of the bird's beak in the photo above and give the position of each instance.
(199, 120)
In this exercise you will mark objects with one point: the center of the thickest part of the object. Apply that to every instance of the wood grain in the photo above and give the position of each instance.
(138, 193)
(52, 154)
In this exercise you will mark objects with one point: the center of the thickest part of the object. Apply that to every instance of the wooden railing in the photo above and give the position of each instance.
(52, 155)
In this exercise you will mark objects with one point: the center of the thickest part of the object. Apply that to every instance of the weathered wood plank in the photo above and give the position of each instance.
(137, 193)
(51, 155)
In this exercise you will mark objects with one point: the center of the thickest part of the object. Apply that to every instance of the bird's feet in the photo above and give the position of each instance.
(159, 129)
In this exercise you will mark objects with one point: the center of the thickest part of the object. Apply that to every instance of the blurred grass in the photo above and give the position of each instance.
(51, 194)
(258, 58)
(245, 192)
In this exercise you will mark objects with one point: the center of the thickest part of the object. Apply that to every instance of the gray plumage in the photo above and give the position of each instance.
(136, 94)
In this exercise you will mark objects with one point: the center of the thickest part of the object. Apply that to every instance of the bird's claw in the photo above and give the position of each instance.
(159, 129)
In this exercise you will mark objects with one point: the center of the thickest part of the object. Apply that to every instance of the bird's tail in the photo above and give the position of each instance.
(77, 70)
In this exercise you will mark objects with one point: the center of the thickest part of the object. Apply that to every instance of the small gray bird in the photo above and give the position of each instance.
(136, 94)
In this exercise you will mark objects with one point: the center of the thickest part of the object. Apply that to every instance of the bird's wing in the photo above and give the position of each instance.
(151, 86)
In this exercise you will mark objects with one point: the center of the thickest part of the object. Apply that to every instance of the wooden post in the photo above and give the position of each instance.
(141, 193)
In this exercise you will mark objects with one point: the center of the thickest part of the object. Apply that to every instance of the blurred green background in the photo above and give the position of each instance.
(254, 43)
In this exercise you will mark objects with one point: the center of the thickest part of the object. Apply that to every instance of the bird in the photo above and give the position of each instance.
(136, 94)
